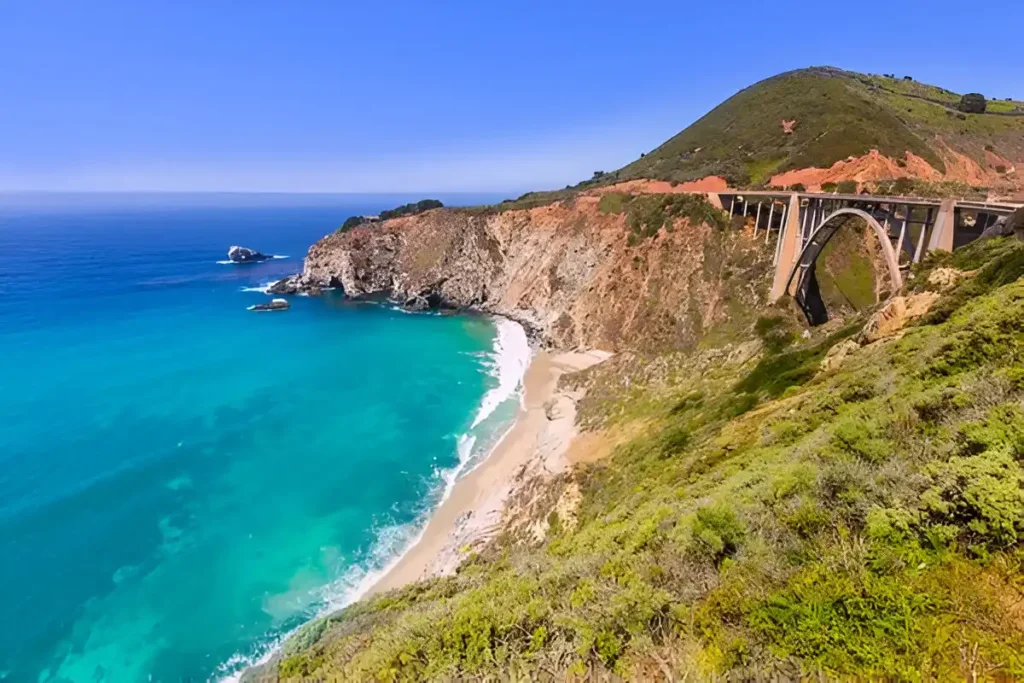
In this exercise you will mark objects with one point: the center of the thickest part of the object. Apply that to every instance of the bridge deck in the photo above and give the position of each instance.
(784, 195)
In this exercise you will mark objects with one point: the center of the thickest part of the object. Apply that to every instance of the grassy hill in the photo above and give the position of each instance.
(837, 114)
(760, 517)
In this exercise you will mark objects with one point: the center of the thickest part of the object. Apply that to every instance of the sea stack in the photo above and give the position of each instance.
(245, 255)
(274, 305)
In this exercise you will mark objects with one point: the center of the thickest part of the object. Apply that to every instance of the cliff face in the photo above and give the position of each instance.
(566, 271)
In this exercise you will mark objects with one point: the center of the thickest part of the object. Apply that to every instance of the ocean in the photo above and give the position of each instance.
(184, 481)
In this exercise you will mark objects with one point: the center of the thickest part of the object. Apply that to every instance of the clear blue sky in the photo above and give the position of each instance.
(377, 95)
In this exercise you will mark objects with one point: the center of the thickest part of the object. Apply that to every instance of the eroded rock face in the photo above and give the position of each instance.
(565, 271)
(895, 315)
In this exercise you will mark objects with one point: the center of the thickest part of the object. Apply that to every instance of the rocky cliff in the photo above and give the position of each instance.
(570, 271)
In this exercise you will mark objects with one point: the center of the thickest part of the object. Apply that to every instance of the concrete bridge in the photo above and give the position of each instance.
(906, 228)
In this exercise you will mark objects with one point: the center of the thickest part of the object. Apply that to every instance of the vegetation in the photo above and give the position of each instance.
(850, 270)
(837, 114)
(410, 209)
(907, 187)
(646, 214)
(760, 517)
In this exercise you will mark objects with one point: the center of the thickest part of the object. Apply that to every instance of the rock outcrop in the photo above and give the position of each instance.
(895, 315)
(567, 271)
(246, 255)
(274, 305)
(1007, 225)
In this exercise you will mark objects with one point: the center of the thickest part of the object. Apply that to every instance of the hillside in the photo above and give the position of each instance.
(819, 116)
(770, 507)
(746, 497)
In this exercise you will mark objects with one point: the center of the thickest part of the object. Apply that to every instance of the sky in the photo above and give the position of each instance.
(385, 96)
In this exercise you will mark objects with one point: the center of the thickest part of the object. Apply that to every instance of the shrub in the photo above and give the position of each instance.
(776, 332)
(848, 187)
(981, 494)
(718, 532)
(411, 209)
(647, 214)
(351, 222)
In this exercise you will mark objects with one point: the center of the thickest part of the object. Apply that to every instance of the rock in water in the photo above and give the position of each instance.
(274, 305)
(288, 285)
(245, 255)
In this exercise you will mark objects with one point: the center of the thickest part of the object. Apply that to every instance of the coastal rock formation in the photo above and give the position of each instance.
(246, 255)
(895, 315)
(572, 274)
(275, 304)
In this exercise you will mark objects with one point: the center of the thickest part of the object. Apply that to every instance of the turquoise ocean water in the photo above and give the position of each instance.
(183, 481)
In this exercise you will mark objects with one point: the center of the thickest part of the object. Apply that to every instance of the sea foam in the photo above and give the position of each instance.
(507, 363)
(229, 262)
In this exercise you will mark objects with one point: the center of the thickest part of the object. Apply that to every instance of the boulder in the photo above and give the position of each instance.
(245, 255)
(972, 103)
(838, 353)
(895, 315)
(274, 305)
(289, 285)
(416, 303)
(1007, 225)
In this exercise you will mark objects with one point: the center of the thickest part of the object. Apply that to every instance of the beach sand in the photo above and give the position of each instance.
(539, 441)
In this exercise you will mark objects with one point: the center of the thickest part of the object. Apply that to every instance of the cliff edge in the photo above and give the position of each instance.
(573, 272)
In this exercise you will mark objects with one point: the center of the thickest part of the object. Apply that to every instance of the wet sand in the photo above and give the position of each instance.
(540, 438)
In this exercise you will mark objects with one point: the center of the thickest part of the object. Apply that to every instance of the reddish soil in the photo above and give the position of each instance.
(871, 166)
(874, 166)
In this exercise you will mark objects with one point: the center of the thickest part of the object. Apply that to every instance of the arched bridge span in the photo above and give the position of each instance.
(805, 291)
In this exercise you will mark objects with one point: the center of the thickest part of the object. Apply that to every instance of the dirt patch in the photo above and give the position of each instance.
(875, 166)
(711, 183)
(871, 166)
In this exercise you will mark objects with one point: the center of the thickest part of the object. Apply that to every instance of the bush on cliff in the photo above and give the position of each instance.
(759, 518)
(646, 214)
(410, 209)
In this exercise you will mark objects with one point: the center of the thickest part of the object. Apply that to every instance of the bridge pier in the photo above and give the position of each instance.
(789, 236)
(942, 233)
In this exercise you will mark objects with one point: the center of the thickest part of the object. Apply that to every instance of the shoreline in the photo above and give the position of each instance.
(471, 514)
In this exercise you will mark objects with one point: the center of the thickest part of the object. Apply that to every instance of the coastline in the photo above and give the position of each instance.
(471, 514)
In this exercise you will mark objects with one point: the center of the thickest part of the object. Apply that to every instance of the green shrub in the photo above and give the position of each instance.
(981, 494)
(649, 213)
(718, 532)
(775, 331)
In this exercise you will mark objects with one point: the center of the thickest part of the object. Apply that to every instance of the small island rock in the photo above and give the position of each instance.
(274, 305)
(245, 255)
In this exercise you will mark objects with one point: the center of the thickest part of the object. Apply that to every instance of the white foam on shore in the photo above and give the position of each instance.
(262, 289)
(507, 362)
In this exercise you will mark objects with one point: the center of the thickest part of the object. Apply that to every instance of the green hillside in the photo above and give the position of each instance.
(837, 114)
(760, 517)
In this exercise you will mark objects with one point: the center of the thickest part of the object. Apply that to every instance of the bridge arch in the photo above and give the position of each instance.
(806, 292)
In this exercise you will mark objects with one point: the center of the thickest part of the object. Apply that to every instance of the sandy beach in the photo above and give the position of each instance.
(538, 441)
